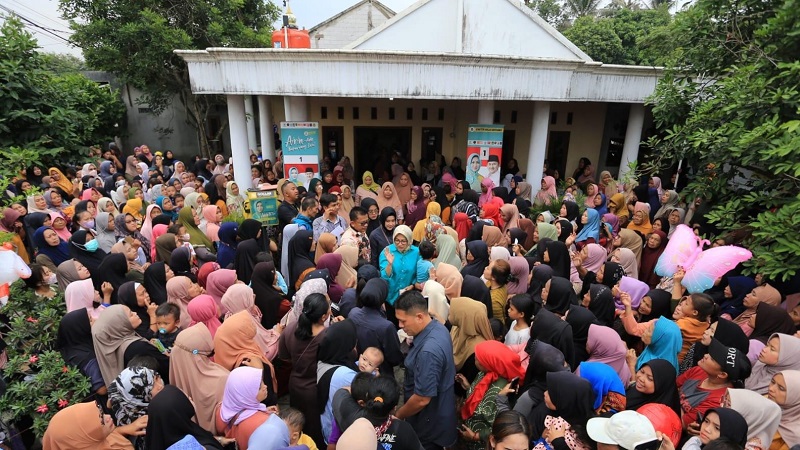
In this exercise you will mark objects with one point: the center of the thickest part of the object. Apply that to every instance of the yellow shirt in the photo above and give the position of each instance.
(306, 440)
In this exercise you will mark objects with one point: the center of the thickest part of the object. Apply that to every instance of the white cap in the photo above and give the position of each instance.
(625, 429)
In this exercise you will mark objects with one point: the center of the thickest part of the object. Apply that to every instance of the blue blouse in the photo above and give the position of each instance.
(404, 270)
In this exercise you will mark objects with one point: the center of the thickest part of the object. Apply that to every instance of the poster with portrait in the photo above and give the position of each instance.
(300, 145)
(263, 206)
(484, 154)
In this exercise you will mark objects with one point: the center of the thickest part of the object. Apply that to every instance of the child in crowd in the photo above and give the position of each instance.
(168, 320)
(370, 360)
(520, 311)
(427, 253)
(295, 421)
(498, 329)
(496, 281)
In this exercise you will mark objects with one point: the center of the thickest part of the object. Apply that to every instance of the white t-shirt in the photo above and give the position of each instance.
(514, 337)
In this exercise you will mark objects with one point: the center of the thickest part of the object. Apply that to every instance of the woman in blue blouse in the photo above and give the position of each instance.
(398, 264)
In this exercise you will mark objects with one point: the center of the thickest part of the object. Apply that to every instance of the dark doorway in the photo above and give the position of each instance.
(374, 147)
(557, 148)
(431, 144)
(333, 143)
(509, 139)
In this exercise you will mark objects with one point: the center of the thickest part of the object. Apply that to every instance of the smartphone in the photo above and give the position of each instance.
(654, 444)
(516, 241)
(515, 383)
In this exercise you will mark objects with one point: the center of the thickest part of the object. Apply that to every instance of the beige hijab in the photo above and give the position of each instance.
(449, 277)
(178, 293)
(240, 297)
(438, 307)
(112, 333)
(193, 372)
(347, 271)
(470, 327)
(632, 241)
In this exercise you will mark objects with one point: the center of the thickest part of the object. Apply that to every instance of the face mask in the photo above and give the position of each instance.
(92, 246)
(93, 173)
(88, 224)
(186, 237)
(52, 279)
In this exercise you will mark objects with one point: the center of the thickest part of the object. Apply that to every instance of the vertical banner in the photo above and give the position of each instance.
(264, 206)
(484, 151)
(300, 145)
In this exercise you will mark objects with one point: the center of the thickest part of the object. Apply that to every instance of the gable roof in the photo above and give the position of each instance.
(385, 10)
(475, 27)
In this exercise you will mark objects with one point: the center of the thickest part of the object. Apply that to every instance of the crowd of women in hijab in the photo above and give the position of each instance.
(397, 309)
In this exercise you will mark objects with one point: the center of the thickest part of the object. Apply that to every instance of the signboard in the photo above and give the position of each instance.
(484, 153)
(300, 145)
(263, 206)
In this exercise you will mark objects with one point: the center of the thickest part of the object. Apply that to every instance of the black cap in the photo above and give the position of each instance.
(733, 361)
(494, 158)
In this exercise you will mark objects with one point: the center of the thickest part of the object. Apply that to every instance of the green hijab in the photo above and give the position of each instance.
(547, 230)
(196, 236)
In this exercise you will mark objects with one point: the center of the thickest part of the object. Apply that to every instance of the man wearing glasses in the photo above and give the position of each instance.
(356, 233)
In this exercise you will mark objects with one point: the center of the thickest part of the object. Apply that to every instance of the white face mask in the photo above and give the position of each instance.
(186, 237)
(52, 279)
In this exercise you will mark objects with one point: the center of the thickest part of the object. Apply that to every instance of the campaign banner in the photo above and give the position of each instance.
(300, 145)
(484, 154)
(264, 206)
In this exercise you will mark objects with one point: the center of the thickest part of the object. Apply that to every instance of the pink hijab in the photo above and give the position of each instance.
(178, 293)
(158, 231)
(549, 192)
(64, 232)
(589, 202)
(212, 227)
(605, 346)
(80, 294)
(203, 309)
(488, 196)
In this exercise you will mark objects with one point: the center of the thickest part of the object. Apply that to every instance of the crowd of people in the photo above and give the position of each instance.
(408, 311)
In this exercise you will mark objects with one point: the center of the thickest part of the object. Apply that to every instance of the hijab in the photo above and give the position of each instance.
(326, 243)
(235, 341)
(604, 345)
(665, 343)
(314, 286)
(763, 416)
(601, 304)
(636, 289)
(155, 282)
(650, 256)
(672, 203)
(519, 271)
(267, 298)
(226, 251)
(544, 358)
(332, 262)
(178, 293)
(372, 187)
(764, 294)
(106, 238)
(212, 225)
(246, 258)
(559, 258)
(74, 339)
(478, 290)
(572, 396)
(78, 251)
(196, 236)
(612, 274)
(788, 359)
(646, 227)
(218, 282)
(299, 260)
(203, 309)
(498, 362)
(193, 372)
(604, 381)
(112, 333)
(665, 387)
(790, 410)
(169, 421)
(393, 201)
(769, 320)
(627, 259)
(113, 270)
(239, 401)
(470, 327)
(489, 195)
(660, 304)
(165, 245)
(181, 263)
(416, 209)
(58, 254)
(740, 287)
(491, 235)
(373, 223)
(449, 277)
(579, 319)
(240, 297)
(549, 328)
(545, 195)
(134, 207)
(67, 273)
(732, 425)
(130, 394)
(78, 427)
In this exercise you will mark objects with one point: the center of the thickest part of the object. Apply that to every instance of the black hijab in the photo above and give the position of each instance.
(245, 259)
(770, 320)
(518, 235)
(524, 206)
(550, 329)
(249, 229)
(602, 304)
(579, 318)
(476, 232)
(573, 210)
(162, 219)
(268, 299)
(78, 251)
(666, 390)
(127, 297)
(180, 261)
(480, 253)
(544, 358)
(729, 334)
(476, 289)
(113, 270)
(74, 339)
(572, 396)
(612, 273)
(155, 282)
(335, 350)
(566, 230)
(381, 238)
(170, 416)
(373, 224)
(299, 258)
(201, 171)
(731, 425)
(560, 296)
(660, 305)
(541, 274)
(559, 258)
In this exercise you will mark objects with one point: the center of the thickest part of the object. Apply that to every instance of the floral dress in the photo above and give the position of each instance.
(482, 419)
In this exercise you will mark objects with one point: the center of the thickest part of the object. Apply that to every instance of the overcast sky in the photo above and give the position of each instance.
(45, 13)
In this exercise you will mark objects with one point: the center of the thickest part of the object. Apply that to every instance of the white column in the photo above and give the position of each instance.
(296, 108)
(485, 111)
(538, 145)
(633, 136)
(252, 142)
(237, 122)
(265, 126)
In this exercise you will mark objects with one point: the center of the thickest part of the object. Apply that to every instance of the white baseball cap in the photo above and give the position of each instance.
(625, 429)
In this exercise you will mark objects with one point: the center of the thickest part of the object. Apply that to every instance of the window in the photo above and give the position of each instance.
(340, 113)
(373, 112)
(569, 118)
(323, 113)
(355, 112)
(409, 113)
(441, 113)
(391, 113)
(513, 116)
(424, 113)
(553, 118)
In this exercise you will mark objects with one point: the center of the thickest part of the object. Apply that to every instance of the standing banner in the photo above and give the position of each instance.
(264, 206)
(300, 145)
(484, 152)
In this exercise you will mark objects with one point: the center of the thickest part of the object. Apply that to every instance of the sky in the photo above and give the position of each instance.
(46, 14)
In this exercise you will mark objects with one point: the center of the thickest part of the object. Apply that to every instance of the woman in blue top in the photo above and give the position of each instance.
(398, 264)
(590, 233)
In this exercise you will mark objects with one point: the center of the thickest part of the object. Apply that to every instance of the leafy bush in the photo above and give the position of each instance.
(39, 381)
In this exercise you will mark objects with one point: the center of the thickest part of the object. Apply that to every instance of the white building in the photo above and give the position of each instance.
(350, 24)
(414, 83)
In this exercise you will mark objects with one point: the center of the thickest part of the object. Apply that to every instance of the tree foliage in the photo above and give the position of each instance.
(46, 116)
(135, 39)
(729, 105)
(550, 10)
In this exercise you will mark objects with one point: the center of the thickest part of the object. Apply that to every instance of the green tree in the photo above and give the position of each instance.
(730, 106)
(550, 10)
(47, 117)
(62, 63)
(597, 39)
(135, 39)
(581, 8)
(634, 27)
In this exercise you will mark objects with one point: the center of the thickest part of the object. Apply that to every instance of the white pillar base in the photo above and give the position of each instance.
(538, 145)
(485, 111)
(633, 136)
(237, 121)
(250, 114)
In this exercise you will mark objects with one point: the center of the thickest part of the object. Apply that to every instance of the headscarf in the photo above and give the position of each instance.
(325, 244)
(763, 416)
(299, 260)
(573, 210)
(572, 396)
(650, 256)
(58, 254)
(267, 298)
(112, 333)
(393, 202)
(449, 277)
(488, 196)
(196, 236)
(491, 235)
(672, 228)
(628, 262)
(612, 273)
(525, 190)
(134, 207)
(240, 297)
(665, 388)
(78, 427)
(498, 361)
(155, 282)
(589, 202)
(665, 343)
(193, 372)
(130, 394)
(416, 209)
(218, 282)
(332, 262)
(147, 226)
(604, 380)
(790, 410)
(74, 339)
(470, 327)
(64, 183)
(788, 358)
(635, 288)
(519, 272)
(547, 194)
(347, 271)
(226, 252)
(315, 286)
(181, 263)
(549, 328)
(559, 258)
(78, 251)
(178, 293)
(203, 309)
(232, 201)
(769, 320)
(212, 225)
(591, 230)
(604, 345)
(601, 304)
(448, 252)
(611, 188)
(373, 223)
(579, 319)
(240, 400)
(105, 237)
(646, 227)
(612, 223)
(372, 187)
(170, 420)
(165, 245)
(764, 294)
(67, 273)
(32, 208)
(235, 341)
(740, 287)
(63, 233)
(660, 305)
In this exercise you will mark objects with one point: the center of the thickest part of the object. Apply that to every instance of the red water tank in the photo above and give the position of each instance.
(297, 38)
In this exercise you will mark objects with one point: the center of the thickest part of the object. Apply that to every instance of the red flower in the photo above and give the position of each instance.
(42, 409)
(33, 359)
(62, 403)
(64, 369)
(32, 320)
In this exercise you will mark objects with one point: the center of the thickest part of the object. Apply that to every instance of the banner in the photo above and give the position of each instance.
(264, 206)
(484, 154)
(300, 145)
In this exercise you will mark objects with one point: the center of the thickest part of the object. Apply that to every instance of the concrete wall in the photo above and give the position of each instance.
(348, 27)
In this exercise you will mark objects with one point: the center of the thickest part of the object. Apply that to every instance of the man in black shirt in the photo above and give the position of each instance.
(289, 207)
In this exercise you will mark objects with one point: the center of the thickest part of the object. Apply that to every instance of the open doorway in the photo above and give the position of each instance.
(557, 148)
(374, 147)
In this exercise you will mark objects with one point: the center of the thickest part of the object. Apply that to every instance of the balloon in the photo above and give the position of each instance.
(12, 268)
